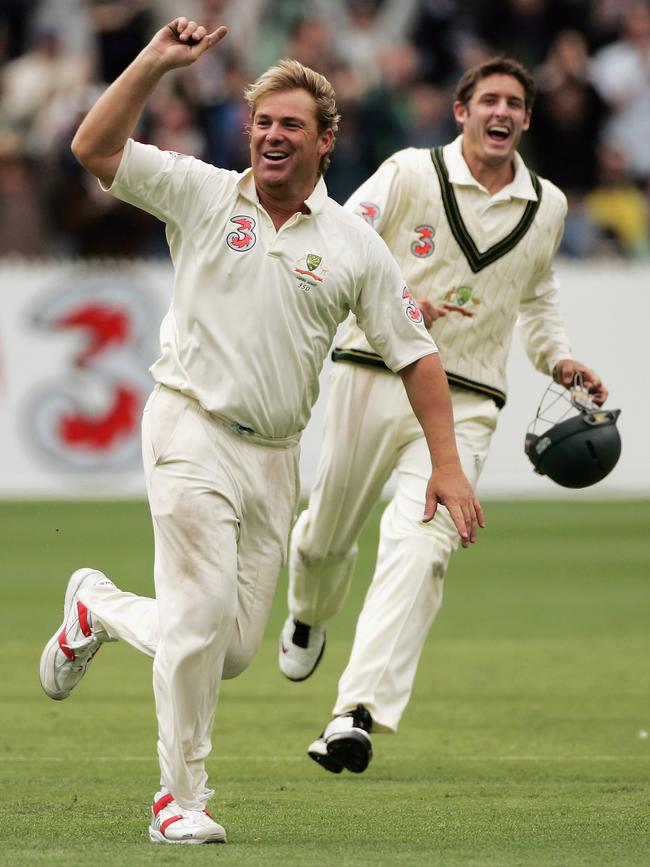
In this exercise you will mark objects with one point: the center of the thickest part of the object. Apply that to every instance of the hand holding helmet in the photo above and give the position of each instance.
(566, 371)
(582, 444)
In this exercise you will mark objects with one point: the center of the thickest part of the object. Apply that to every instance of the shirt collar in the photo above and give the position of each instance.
(315, 202)
(520, 187)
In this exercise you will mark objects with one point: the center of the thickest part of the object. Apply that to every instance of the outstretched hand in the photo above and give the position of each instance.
(564, 374)
(182, 42)
(449, 487)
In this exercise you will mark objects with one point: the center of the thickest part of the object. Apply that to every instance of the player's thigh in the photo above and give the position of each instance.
(195, 507)
(359, 450)
(271, 499)
(475, 419)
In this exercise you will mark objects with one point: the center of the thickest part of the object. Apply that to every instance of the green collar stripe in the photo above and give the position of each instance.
(477, 261)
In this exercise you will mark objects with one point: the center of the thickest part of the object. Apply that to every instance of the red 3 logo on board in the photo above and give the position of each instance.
(85, 417)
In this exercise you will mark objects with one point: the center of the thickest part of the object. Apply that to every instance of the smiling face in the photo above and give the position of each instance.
(286, 144)
(493, 120)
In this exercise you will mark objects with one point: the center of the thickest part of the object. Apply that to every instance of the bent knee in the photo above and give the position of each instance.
(314, 559)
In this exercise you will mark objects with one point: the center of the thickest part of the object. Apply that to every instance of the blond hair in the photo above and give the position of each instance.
(290, 74)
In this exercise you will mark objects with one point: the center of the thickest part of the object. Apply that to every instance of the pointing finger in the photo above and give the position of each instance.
(216, 35)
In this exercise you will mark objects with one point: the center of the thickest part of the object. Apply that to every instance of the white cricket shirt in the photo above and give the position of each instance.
(254, 311)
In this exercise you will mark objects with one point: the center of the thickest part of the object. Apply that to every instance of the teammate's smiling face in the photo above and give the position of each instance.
(493, 119)
(286, 144)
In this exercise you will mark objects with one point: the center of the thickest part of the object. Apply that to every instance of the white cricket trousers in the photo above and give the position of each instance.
(371, 430)
(222, 505)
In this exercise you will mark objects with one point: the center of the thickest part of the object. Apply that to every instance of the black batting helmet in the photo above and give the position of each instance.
(579, 451)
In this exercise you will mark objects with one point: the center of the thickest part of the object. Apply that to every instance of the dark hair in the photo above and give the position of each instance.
(496, 66)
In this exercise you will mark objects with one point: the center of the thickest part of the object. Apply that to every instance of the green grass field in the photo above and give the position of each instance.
(525, 742)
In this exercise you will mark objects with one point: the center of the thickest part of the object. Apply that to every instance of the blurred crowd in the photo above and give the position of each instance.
(393, 63)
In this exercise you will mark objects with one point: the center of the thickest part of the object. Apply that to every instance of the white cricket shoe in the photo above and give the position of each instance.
(301, 649)
(171, 824)
(68, 653)
(345, 743)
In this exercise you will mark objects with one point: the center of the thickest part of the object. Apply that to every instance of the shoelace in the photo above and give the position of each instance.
(81, 650)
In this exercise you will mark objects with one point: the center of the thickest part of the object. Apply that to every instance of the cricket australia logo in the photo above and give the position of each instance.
(306, 268)
(424, 245)
(460, 300)
(313, 261)
(243, 238)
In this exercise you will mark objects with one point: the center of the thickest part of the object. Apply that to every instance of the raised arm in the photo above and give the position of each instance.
(100, 139)
(428, 392)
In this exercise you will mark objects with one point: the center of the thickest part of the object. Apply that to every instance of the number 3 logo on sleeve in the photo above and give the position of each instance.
(411, 306)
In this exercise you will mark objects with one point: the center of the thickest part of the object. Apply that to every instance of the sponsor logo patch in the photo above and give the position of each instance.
(370, 212)
(306, 269)
(243, 238)
(423, 246)
(411, 308)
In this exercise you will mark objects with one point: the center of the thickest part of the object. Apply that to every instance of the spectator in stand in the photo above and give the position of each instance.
(354, 158)
(568, 118)
(366, 28)
(621, 74)
(617, 208)
(226, 118)
(603, 21)
(24, 232)
(522, 28)
(173, 123)
(310, 41)
(121, 30)
(85, 220)
(14, 27)
(31, 82)
(428, 113)
(435, 35)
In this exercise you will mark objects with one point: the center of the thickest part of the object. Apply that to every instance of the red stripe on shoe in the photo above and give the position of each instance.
(82, 611)
(168, 822)
(161, 803)
(63, 644)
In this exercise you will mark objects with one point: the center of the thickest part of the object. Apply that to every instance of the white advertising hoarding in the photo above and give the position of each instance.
(76, 341)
